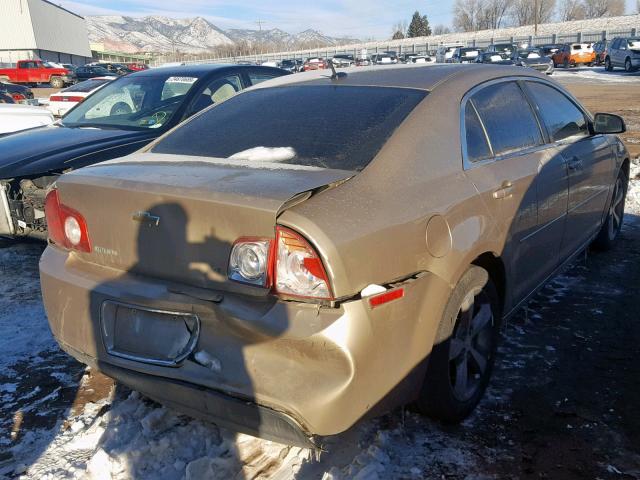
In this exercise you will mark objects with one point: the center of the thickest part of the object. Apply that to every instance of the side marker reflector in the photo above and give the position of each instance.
(386, 297)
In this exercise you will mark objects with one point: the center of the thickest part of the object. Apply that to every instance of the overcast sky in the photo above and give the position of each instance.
(354, 18)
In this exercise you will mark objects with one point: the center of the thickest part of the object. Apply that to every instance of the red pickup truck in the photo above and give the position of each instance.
(35, 71)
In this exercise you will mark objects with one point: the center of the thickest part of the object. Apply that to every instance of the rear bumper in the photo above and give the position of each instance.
(282, 370)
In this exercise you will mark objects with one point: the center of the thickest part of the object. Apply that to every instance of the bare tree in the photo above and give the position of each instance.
(524, 12)
(467, 14)
(570, 10)
(603, 8)
(494, 12)
(398, 30)
(441, 29)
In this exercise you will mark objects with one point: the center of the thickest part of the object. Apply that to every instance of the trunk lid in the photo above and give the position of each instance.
(176, 218)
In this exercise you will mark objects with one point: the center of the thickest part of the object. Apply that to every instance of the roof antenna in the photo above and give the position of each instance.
(336, 75)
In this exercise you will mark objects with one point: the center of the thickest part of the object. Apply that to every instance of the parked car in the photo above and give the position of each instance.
(63, 101)
(343, 60)
(495, 58)
(534, 58)
(227, 269)
(421, 59)
(14, 118)
(600, 49)
(93, 71)
(291, 65)
(315, 63)
(19, 93)
(33, 72)
(137, 67)
(445, 52)
(509, 49)
(465, 55)
(550, 49)
(6, 98)
(113, 68)
(363, 61)
(382, 59)
(574, 54)
(623, 52)
(118, 119)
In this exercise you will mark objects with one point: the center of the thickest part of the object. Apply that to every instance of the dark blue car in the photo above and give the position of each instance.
(117, 120)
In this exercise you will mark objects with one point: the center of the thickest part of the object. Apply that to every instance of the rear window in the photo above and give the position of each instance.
(338, 127)
(86, 86)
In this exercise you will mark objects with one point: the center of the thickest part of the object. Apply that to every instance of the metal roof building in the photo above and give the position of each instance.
(40, 29)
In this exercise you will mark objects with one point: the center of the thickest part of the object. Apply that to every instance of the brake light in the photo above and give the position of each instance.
(60, 98)
(298, 270)
(18, 96)
(67, 227)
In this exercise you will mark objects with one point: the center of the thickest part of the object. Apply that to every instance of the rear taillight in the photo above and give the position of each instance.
(289, 265)
(61, 98)
(298, 270)
(67, 227)
(18, 96)
(55, 98)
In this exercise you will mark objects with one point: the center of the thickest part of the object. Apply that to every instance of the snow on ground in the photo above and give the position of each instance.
(595, 75)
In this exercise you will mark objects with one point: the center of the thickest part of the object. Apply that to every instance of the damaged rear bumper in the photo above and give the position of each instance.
(286, 371)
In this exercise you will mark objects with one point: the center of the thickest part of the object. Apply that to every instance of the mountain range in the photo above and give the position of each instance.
(192, 35)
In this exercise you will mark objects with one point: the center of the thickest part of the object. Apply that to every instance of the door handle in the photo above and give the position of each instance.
(504, 191)
(575, 164)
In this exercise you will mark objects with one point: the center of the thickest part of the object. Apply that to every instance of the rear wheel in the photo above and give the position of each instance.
(56, 82)
(607, 65)
(628, 67)
(462, 360)
(565, 63)
(615, 215)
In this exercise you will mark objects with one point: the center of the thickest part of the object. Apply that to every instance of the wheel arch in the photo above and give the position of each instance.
(495, 267)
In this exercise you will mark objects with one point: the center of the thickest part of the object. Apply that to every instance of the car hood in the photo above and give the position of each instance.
(56, 148)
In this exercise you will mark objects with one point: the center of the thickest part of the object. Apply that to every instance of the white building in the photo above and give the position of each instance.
(31, 29)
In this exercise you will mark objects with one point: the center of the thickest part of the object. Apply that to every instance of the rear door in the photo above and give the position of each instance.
(589, 160)
(616, 53)
(505, 151)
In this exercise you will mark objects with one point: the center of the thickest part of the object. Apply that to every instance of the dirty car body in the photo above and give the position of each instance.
(118, 119)
(281, 284)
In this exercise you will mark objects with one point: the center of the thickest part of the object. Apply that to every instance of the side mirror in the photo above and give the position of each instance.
(604, 123)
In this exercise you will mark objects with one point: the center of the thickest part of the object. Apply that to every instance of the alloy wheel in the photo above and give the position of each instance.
(627, 66)
(616, 211)
(471, 346)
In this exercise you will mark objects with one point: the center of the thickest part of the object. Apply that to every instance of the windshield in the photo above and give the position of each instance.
(634, 42)
(138, 102)
(276, 125)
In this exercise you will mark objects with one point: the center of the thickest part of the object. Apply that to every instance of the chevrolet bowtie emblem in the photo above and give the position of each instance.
(146, 218)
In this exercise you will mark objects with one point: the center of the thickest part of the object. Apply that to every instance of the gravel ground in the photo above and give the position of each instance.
(562, 402)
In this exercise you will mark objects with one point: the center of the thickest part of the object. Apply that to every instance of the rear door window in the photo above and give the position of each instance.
(507, 117)
(562, 118)
(326, 126)
(477, 146)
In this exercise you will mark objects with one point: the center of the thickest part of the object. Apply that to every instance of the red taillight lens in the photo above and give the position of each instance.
(67, 227)
(18, 96)
(55, 98)
(298, 270)
(61, 98)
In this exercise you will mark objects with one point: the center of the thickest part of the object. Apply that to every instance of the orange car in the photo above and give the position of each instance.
(315, 63)
(573, 54)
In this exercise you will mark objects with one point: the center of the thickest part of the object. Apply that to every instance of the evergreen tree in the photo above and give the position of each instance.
(419, 26)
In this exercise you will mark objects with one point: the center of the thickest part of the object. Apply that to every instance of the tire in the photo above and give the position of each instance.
(615, 215)
(56, 82)
(120, 108)
(628, 67)
(455, 380)
(607, 65)
(565, 63)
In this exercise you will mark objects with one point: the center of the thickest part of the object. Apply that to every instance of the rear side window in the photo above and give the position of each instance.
(477, 146)
(339, 127)
(507, 118)
(560, 115)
